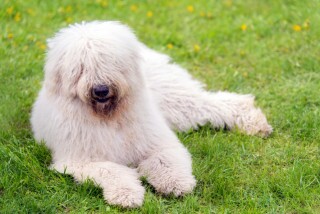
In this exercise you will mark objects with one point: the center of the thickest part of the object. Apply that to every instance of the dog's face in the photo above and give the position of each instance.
(97, 63)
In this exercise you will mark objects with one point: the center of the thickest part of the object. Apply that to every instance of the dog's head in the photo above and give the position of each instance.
(97, 63)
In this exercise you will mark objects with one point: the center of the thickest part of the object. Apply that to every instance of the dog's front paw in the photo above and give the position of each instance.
(130, 197)
(169, 171)
(177, 185)
(167, 180)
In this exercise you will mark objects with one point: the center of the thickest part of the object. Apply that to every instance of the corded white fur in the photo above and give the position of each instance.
(134, 138)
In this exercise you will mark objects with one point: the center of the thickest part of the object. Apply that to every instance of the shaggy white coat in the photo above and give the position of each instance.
(115, 143)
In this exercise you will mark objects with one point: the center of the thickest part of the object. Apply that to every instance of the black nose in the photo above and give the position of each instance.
(100, 93)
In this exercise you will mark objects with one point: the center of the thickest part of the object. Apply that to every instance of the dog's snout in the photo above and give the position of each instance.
(100, 93)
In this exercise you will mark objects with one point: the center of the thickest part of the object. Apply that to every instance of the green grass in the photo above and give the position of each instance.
(235, 173)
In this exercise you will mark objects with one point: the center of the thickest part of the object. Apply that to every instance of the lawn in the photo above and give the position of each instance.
(267, 48)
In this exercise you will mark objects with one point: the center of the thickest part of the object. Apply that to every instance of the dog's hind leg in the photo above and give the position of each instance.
(186, 104)
(120, 184)
(185, 109)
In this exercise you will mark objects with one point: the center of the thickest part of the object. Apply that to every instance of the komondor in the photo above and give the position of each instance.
(109, 107)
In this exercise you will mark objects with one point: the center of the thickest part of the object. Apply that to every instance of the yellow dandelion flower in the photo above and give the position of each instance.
(31, 12)
(31, 38)
(17, 17)
(41, 45)
(61, 10)
(296, 28)
(209, 15)
(133, 8)
(196, 48)
(306, 24)
(244, 27)
(120, 3)
(10, 35)
(245, 74)
(169, 46)
(202, 14)
(149, 14)
(25, 48)
(69, 20)
(228, 3)
(9, 10)
(190, 8)
(68, 9)
(242, 53)
(104, 3)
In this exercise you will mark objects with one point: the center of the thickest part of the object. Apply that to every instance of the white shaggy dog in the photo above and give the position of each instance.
(108, 106)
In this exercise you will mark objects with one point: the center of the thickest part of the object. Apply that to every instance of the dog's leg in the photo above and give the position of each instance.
(120, 184)
(244, 115)
(169, 171)
(186, 109)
